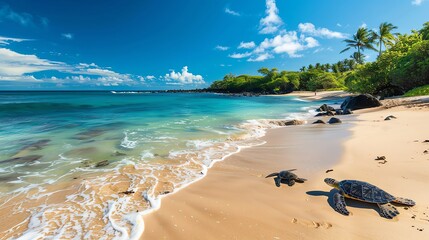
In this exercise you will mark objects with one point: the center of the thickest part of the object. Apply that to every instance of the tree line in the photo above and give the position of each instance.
(402, 64)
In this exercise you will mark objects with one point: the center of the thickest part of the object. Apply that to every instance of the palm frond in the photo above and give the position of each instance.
(345, 49)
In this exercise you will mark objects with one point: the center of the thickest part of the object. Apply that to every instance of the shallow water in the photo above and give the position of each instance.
(106, 144)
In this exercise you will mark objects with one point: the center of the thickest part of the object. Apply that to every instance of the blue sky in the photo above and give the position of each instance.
(132, 44)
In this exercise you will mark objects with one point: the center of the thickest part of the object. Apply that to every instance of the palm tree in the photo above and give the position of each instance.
(327, 67)
(361, 40)
(384, 35)
(303, 69)
(358, 57)
(318, 66)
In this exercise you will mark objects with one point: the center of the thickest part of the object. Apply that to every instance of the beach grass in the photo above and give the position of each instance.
(419, 91)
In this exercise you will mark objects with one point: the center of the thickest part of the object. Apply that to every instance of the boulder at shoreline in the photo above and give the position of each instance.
(360, 102)
(334, 120)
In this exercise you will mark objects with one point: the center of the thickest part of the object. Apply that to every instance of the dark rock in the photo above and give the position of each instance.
(25, 159)
(339, 111)
(86, 135)
(102, 163)
(118, 154)
(426, 141)
(425, 151)
(347, 111)
(380, 158)
(319, 122)
(165, 192)
(127, 192)
(320, 114)
(360, 102)
(329, 170)
(294, 122)
(286, 122)
(389, 118)
(85, 163)
(36, 145)
(334, 120)
(327, 113)
(9, 177)
(325, 108)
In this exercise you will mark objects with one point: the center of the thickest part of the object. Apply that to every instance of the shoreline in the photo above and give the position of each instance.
(73, 189)
(183, 216)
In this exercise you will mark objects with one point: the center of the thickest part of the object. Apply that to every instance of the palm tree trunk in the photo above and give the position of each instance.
(379, 53)
(359, 56)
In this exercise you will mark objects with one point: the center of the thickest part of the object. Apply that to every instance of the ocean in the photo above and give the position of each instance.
(91, 164)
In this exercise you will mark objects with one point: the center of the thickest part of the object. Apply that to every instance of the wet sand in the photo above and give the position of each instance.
(236, 201)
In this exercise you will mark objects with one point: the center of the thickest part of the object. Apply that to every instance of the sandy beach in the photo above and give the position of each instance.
(236, 201)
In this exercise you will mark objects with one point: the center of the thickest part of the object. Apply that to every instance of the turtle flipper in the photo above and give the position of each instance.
(301, 180)
(404, 201)
(277, 180)
(340, 203)
(272, 175)
(291, 182)
(387, 210)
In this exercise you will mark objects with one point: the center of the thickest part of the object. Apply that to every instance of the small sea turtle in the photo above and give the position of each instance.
(365, 192)
(286, 177)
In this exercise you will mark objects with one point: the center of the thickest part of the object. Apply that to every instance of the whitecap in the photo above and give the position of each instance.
(126, 142)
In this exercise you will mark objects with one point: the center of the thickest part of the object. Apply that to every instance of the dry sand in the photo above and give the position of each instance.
(236, 201)
(319, 95)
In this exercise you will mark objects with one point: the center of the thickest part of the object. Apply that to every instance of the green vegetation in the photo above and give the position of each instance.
(419, 91)
(402, 66)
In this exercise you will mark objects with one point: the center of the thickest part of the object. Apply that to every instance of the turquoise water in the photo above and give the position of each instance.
(154, 142)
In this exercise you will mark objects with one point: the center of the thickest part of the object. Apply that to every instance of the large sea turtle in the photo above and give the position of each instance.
(365, 192)
(287, 177)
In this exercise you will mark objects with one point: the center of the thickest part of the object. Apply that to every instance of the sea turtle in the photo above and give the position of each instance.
(365, 192)
(287, 177)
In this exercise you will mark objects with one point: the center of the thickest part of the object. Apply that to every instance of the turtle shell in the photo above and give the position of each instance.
(287, 175)
(364, 191)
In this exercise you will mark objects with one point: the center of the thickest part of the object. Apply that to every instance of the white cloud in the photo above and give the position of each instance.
(16, 64)
(67, 35)
(260, 58)
(88, 65)
(339, 25)
(310, 29)
(19, 67)
(7, 40)
(287, 43)
(234, 13)
(247, 45)
(363, 25)
(240, 55)
(26, 78)
(150, 77)
(221, 48)
(323, 49)
(271, 22)
(224, 65)
(417, 2)
(184, 77)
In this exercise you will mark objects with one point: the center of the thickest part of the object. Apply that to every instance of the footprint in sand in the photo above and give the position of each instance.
(312, 224)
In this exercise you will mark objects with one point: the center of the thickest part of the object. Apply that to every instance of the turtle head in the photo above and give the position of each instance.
(331, 182)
